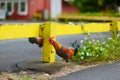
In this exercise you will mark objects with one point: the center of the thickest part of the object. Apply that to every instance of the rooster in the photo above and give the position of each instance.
(39, 41)
(61, 51)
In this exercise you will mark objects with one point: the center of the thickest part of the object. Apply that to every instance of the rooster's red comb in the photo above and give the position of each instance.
(51, 40)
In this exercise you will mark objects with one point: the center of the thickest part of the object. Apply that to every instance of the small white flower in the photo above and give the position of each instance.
(97, 55)
(71, 47)
(88, 34)
(118, 35)
(81, 41)
(71, 23)
(103, 42)
(84, 47)
(86, 38)
(107, 45)
(98, 41)
(82, 53)
(90, 42)
(93, 40)
(110, 38)
(87, 54)
(101, 49)
(93, 54)
(82, 57)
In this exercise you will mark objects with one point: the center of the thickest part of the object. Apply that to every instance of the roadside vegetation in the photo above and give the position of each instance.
(100, 14)
(89, 17)
(108, 6)
(90, 8)
(95, 51)
(93, 14)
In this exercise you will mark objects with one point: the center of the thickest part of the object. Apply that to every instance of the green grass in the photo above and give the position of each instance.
(84, 17)
(95, 51)
(94, 14)
(101, 14)
(25, 78)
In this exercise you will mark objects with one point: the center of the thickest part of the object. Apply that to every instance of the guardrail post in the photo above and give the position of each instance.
(114, 29)
(48, 50)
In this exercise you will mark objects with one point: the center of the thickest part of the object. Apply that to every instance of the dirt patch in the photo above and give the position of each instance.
(54, 71)
(69, 69)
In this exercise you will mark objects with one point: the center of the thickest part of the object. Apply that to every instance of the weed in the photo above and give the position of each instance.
(94, 50)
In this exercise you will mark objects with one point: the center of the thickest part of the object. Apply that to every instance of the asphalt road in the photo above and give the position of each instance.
(15, 51)
(104, 72)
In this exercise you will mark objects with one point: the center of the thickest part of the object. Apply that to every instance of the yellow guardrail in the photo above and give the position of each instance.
(52, 29)
(12, 31)
(118, 26)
